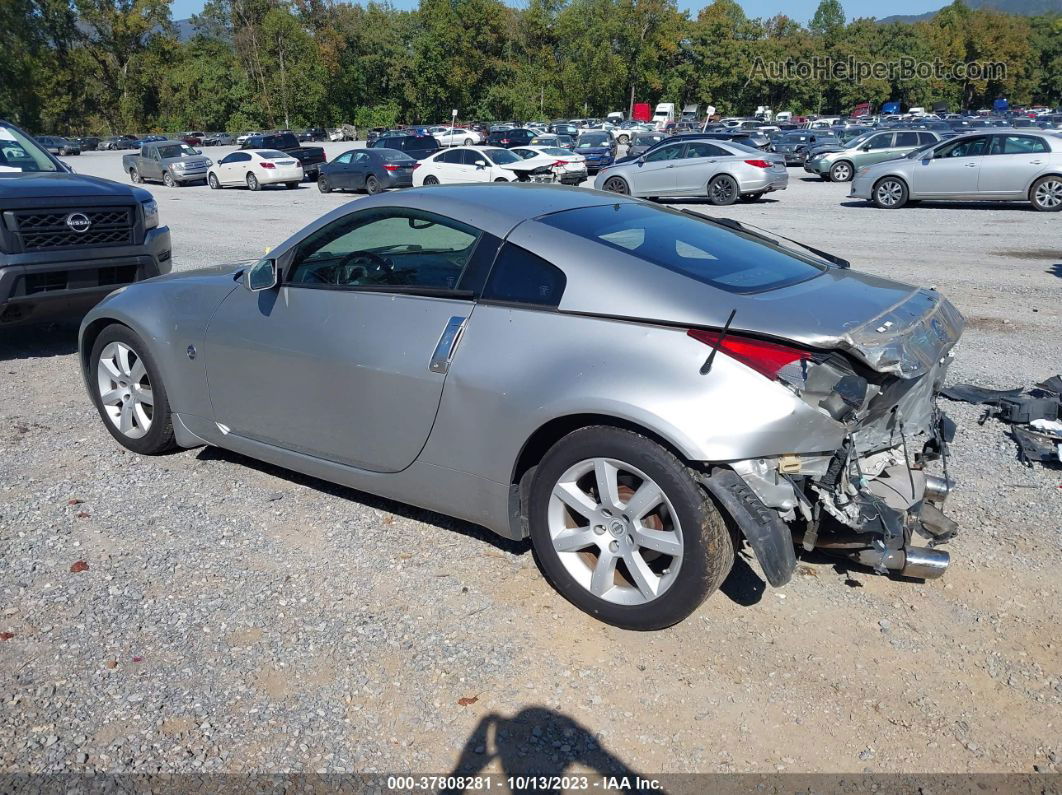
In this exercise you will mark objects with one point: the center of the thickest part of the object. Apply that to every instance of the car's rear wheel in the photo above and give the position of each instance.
(212, 181)
(623, 531)
(323, 184)
(890, 193)
(1046, 194)
(723, 190)
(134, 175)
(617, 185)
(129, 393)
(841, 172)
(372, 185)
(252, 182)
(168, 180)
(468, 142)
(431, 179)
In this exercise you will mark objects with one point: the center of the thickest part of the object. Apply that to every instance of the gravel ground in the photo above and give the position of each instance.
(230, 616)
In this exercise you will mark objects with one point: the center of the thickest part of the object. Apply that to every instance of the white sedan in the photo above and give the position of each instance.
(255, 168)
(467, 164)
(457, 136)
(568, 167)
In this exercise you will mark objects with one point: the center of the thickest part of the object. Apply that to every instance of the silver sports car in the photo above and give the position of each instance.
(618, 381)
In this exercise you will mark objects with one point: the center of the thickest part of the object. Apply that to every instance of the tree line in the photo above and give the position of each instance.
(114, 66)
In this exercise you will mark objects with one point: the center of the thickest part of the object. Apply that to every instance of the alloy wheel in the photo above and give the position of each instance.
(431, 179)
(1048, 194)
(616, 185)
(212, 181)
(889, 193)
(252, 182)
(167, 179)
(615, 531)
(722, 190)
(842, 172)
(125, 390)
(372, 185)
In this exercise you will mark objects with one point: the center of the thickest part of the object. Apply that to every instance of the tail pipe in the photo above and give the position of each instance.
(937, 488)
(920, 562)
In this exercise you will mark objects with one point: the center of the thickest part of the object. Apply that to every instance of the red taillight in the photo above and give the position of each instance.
(766, 358)
(391, 167)
(759, 163)
(560, 163)
(267, 164)
(505, 140)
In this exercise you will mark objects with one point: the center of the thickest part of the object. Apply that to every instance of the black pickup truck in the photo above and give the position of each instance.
(67, 240)
(311, 157)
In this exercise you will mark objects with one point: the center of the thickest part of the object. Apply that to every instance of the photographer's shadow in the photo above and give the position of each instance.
(540, 743)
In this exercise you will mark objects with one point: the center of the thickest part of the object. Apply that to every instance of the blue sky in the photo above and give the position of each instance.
(798, 9)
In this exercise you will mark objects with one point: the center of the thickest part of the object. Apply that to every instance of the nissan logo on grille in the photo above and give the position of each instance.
(78, 222)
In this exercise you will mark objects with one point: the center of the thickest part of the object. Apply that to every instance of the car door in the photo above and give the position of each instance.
(655, 173)
(1012, 164)
(339, 171)
(699, 162)
(345, 359)
(954, 169)
(358, 170)
(874, 150)
(235, 168)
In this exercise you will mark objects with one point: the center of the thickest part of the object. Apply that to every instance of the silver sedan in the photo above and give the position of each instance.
(619, 382)
(1001, 165)
(723, 172)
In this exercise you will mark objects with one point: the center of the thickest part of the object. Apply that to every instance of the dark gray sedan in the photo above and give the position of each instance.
(370, 170)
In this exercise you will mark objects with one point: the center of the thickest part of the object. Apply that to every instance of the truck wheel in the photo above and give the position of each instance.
(134, 175)
(168, 180)
(252, 182)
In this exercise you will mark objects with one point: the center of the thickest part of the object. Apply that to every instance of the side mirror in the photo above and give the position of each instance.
(929, 155)
(481, 164)
(199, 151)
(865, 148)
(262, 275)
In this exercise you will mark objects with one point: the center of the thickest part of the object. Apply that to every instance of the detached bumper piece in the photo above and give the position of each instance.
(1033, 415)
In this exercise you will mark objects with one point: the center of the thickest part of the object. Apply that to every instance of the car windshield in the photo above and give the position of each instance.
(859, 140)
(175, 150)
(501, 157)
(20, 154)
(592, 140)
(730, 260)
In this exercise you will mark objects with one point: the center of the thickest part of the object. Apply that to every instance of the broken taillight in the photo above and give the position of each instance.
(766, 358)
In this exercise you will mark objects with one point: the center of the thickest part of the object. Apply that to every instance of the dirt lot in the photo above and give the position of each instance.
(236, 617)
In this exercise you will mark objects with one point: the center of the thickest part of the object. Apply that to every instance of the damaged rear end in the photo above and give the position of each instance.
(872, 498)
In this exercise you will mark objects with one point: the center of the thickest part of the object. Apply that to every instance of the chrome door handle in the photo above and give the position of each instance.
(971, 165)
(444, 349)
(1035, 162)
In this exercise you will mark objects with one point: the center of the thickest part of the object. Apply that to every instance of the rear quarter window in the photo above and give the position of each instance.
(729, 260)
(520, 277)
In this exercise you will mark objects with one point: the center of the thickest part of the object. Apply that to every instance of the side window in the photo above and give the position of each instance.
(965, 147)
(344, 158)
(924, 139)
(521, 277)
(704, 149)
(360, 159)
(385, 248)
(449, 157)
(470, 157)
(880, 141)
(907, 139)
(1023, 144)
(664, 153)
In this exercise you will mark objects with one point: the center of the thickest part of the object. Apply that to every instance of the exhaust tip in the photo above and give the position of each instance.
(925, 563)
(937, 488)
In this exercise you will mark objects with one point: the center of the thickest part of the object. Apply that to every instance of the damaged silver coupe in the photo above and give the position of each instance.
(635, 389)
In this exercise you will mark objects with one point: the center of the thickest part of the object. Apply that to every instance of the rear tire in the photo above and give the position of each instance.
(468, 142)
(723, 190)
(431, 179)
(372, 185)
(128, 392)
(889, 193)
(1046, 194)
(643, 570)
(252, 182)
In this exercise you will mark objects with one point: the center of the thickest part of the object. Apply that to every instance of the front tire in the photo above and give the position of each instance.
(128, 392)
(134, 175)
(323, 185)
(252, 182)
(890, 193)
(623, 531)
(168, 180)
(212, 181)
(1046, 194)
(617, 185)
(723, 190)
(841, 172)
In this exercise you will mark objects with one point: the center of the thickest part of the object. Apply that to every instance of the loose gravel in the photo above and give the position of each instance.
(205, 612)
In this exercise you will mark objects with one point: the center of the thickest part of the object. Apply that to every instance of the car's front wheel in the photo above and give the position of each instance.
(323, 184)
(890, 193)
(212, 181)
(841, 172)
(1046, 194)
(134, 175)
(617, 185)
(128, 392)
(623, 531)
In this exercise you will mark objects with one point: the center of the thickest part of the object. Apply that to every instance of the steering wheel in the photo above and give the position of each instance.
(367, 262)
